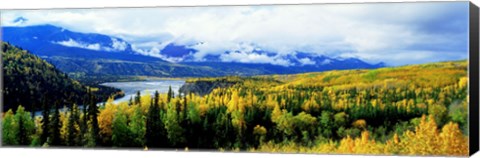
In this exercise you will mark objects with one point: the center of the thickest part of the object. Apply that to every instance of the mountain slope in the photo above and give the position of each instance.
(49, 40)
(93, 54)
(83, 55)
(28, 79)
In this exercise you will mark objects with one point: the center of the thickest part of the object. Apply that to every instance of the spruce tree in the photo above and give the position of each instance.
(21, 134)
(71, 130)
(93, 118)
(45, 121)
(55, 126)
(130, 102)
(169, 94)
(25, 126)
(155, 130)
(84, 123)
(137, 98)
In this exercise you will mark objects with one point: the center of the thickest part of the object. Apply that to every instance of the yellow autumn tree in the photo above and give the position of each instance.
(361, 124)
(361, 145)
(64, 122)
(452, 141)
(105, 119)
(310, 104)
(425, 139)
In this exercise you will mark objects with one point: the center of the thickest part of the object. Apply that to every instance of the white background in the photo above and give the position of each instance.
(44, 4)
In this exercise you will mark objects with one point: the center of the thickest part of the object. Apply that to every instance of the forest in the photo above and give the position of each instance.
(408, 110)
(29, 78)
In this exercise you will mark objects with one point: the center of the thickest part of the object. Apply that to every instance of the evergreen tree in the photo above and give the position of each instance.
(72, 133)
(45, 121)
(169, 94)
(55, 126)
(25, 125)
(130, 101)
(155, 131)
(84, 122)
(137, 98)
(93, 118)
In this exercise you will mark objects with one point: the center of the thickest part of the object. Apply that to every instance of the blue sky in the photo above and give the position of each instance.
(394, 33)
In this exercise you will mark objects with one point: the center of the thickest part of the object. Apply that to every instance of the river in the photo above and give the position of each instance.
(145, 87)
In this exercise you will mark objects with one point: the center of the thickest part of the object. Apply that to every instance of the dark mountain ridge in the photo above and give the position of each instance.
(81, 55)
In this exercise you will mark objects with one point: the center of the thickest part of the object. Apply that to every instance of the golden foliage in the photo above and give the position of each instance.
(105, 118)
(361, 123)
(453, 141)
(425, 140)
(259, 130)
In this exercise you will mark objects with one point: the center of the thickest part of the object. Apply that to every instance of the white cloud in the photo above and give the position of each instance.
(326, 61)
(154, 51)
(73, 43)
(118, 45)
(306, 61)
(244, 57)
(371, 32)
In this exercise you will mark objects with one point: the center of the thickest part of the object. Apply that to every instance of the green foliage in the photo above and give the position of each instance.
(25, 126)
(18, 128)
(9, 129)
(371, 75)
(458, 112)
(155, 131)
(55, 127)
(121, 134)
(73, 127)
(45, 122)
(439, 112)
(137, 127)
(172, 126)
(91, 137)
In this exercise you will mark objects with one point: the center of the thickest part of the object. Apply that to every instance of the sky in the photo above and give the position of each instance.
(394, 33)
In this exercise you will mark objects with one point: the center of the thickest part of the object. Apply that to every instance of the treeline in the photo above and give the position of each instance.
(357, 111)
(53, 128)
(426, 139)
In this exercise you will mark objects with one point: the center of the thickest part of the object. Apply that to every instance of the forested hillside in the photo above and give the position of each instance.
(409, 110)
(29, 81)
(87, 67)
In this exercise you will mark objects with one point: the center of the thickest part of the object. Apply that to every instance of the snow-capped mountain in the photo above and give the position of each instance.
(98, 54)
(49, 41)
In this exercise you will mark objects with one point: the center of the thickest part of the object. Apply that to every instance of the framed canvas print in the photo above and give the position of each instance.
(355, 79)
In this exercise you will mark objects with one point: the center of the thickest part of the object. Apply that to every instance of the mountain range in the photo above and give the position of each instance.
(91, 54)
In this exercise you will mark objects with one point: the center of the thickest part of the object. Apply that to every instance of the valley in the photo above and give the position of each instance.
(94, 93)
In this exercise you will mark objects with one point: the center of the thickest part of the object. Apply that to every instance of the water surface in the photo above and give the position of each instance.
(145, 87)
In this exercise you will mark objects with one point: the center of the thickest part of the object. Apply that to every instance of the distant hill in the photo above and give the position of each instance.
(429, 75)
